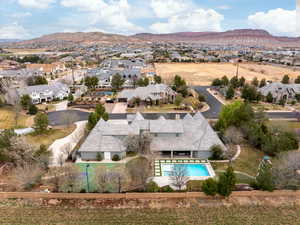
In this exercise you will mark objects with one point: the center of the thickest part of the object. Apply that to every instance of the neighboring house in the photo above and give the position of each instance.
(191, 137)
(48, 68)
(45, 93)
(156, 92)
(281, 91)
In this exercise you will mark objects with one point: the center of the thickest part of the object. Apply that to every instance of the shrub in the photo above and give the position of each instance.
(152, 187)
(32, 109)
(99, 157)
(210, 187)
(116, 158)
(166, 189)
(217, 152)
(264, 179)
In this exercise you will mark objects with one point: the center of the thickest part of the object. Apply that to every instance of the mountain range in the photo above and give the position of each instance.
(247, 37)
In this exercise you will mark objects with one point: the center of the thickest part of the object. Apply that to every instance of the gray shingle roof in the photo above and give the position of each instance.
(193, 134)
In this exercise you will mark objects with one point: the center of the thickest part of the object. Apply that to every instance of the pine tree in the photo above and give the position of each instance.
(230, 93)
(226, 182)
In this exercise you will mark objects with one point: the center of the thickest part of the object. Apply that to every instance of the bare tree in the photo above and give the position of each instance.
(234, 135)
(104, 180)
(139, 170)
(286, 171)
(119, 180)
(138, 144)
(27, 176)
(70, 179)
(110, 181)
(179, 176)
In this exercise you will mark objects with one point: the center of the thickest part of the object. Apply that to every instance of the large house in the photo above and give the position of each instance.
(281, 91)
(152, 92)
(45, 93)
(191, 137)
(48, 68)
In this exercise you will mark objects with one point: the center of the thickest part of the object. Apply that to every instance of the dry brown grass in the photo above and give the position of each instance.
(49, 137)
(205, 73)
(7, 118)
(223, 215)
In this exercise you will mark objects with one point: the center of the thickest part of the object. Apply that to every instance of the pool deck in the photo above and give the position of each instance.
(165, 180)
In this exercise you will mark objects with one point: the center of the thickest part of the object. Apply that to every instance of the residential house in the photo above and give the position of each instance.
(45, 93)
(281, 91)
(48, 69)
(153, 92)
(190, 137)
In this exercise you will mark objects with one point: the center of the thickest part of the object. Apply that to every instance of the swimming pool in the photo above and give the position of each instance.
(193, 170)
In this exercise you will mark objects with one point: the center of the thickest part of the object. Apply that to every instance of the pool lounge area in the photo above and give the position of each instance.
(197, 169)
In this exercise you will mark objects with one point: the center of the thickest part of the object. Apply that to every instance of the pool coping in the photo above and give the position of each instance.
(159, 162)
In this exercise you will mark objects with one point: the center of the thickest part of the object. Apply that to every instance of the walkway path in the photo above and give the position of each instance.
(61, 106)
(61, 148)
(120, 107)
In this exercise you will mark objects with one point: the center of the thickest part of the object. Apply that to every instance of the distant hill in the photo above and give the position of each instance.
(242, 37)
(60, 40)
(9, 40)
(238, 37)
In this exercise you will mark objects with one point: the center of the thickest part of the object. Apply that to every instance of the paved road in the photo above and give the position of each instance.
(55, 118)
(214, 104)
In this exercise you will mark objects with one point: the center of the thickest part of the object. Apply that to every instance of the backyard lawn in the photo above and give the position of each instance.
(247, 162)
(49, 137)
(7, 119)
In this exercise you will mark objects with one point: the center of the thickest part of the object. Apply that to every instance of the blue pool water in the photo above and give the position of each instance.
(193, 170)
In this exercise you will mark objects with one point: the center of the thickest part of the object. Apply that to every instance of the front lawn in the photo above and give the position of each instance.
(49, 137)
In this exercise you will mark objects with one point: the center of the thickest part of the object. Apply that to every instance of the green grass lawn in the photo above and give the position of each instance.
(247, 162)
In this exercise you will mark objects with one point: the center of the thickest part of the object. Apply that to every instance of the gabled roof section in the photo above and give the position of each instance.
(188, 117)
(166, 126)
(161, 118)
(138, 116)
(199, 116)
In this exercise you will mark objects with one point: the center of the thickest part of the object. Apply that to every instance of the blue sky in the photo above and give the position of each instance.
(26, 19)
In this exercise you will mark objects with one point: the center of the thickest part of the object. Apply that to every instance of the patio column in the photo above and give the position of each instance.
(171, 154)
(191, 154)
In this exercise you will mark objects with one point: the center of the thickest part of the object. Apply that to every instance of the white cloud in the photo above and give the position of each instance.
(197, 20)
(112, 16)
(276, 21)
(19, 15)
(13, 31)
(167, 8)
(39, 4)
(224, 7)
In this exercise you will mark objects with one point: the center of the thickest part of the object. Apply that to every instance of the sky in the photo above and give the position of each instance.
(25, 19)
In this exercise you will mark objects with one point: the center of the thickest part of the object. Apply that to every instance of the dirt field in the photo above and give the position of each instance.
(205, 73)
(258, 215)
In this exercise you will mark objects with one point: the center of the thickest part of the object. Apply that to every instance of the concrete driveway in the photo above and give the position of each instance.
(120, 107)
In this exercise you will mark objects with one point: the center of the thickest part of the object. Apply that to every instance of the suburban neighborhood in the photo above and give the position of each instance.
(154, 112)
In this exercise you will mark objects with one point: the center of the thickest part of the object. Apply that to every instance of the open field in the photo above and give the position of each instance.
(233, 215)
(205, 73)
(49, 137)
(25, 51)
(7, 119)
